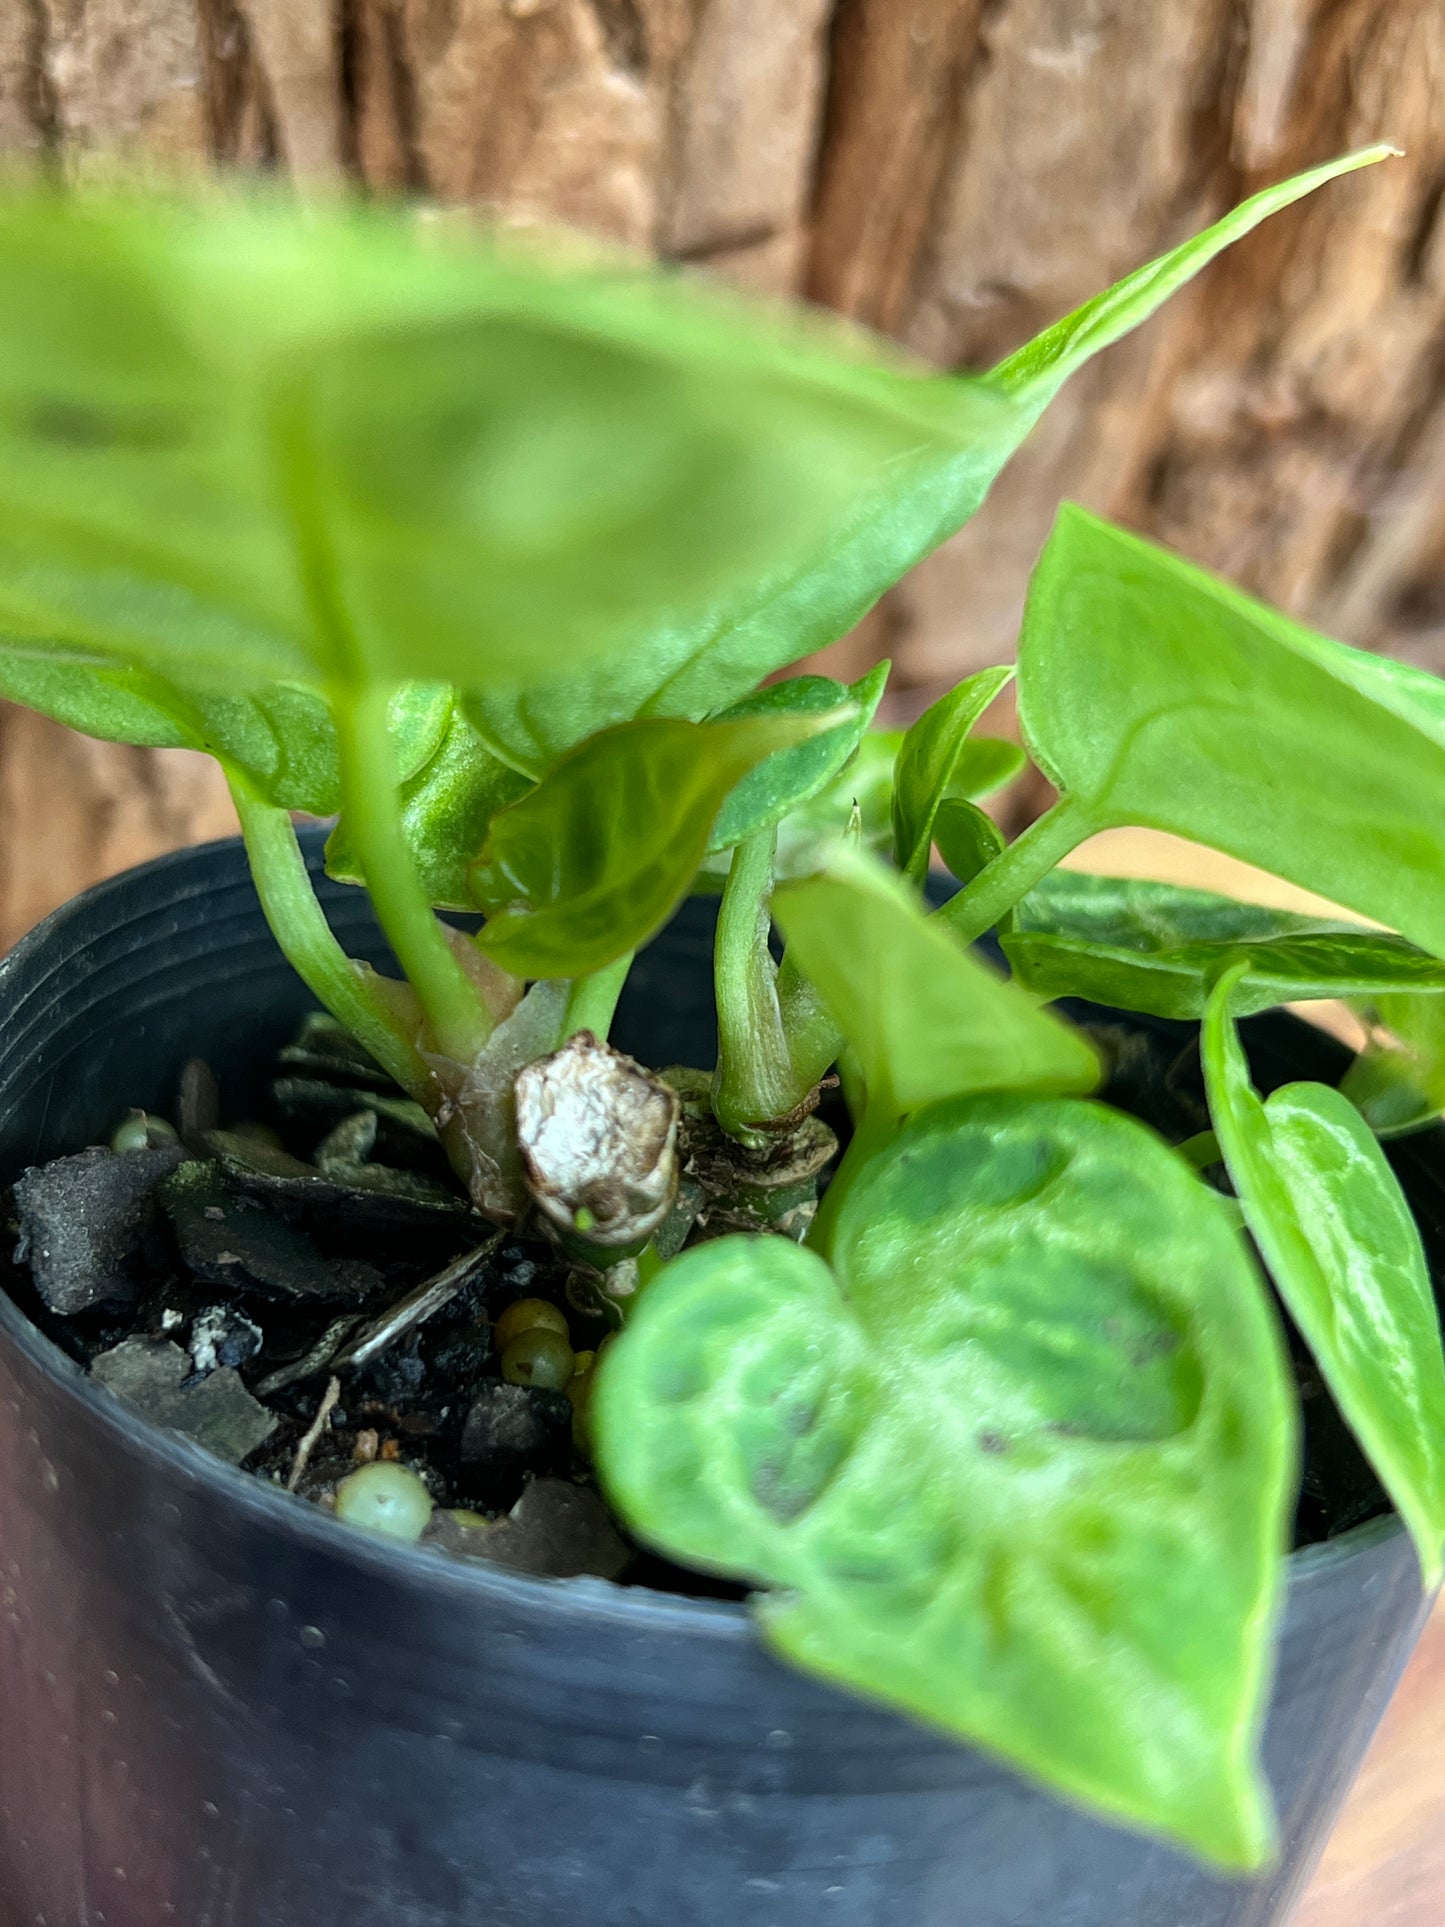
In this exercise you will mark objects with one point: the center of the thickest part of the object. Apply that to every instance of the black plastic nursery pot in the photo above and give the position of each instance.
(219, 1707)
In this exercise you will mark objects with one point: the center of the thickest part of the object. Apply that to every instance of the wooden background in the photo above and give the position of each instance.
(957, 172)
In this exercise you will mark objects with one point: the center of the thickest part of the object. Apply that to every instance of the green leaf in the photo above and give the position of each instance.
(251, 444)
(852, 810)
(447, 808)
(928, 765)
(1158, 947)
(281, 734)
(592, 862)
(1022, 1468)
(968, 839)
(1398, 1081)
(1152, 694)
(693, 669)
(1336, 1232)
(986, 764)
(925, 1019)
(791, 777)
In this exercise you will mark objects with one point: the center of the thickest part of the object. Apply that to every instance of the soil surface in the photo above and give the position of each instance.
(308, 1291)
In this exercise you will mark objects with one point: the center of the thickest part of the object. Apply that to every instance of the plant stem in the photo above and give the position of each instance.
(592, 1002)
(755, 1077)
(455, 1014)
(1011, 875)
(300, 928)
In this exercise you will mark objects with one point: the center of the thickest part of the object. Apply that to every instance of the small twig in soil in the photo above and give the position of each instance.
(419, 1304)
(313, 1432)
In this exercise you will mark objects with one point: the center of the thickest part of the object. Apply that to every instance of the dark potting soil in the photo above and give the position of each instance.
(308, 1291)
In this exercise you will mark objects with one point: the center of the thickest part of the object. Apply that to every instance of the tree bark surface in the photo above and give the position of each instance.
(955, 172)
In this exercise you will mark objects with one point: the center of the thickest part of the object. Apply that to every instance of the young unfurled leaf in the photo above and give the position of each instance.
(1023, 1468)
(986, 764)
(924, 1018)
(253, 444)
(1398, 1081)
(1152, 694)
(853, 809)
(966, 836)
(280, 734)
(693, 669)
(1158, 947)
(791, 777)
(590, 863)
(1336, 1232)
(446, 810)
(928, 765)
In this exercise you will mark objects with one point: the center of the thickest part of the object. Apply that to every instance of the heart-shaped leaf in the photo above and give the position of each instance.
(591, 862)
(1022, 1468)
(1152, 694)
(1336, 1232)
(694, 669)
(446, 810)
(1158, 947)
(924, 1018)
(791, 777)
(250, 444)
(928, 765)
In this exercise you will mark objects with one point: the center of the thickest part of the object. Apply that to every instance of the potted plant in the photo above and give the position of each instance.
(996, 1414)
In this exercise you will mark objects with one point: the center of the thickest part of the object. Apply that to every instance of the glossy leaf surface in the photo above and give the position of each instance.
(446, 810)
(1022, 1467)
(694, 669)
(1158, 947)
(280, 734)
(590, 863)
(1336, 1232)
(1152, 694)
(790, 778)
(924, 1018)
(261, 445)
(966, 836)
(928, 765)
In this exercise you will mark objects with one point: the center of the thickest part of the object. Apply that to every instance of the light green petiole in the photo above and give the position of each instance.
(455, 1015)
(299, 926)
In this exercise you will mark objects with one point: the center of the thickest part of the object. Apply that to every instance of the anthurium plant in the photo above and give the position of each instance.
(492, 551)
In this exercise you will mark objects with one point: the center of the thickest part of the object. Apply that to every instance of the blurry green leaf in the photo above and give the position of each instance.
(1023, 1468)
(986, 764)
(925, 1019)
(928, 765)
(694, 668)
(1336, 1232)
(790, 777)
(1158, 947)
(1152, 694)
(966, 836)
(254, 444)
(591, 862)
(446, 810)
(280, 734)
(1398, 1081)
